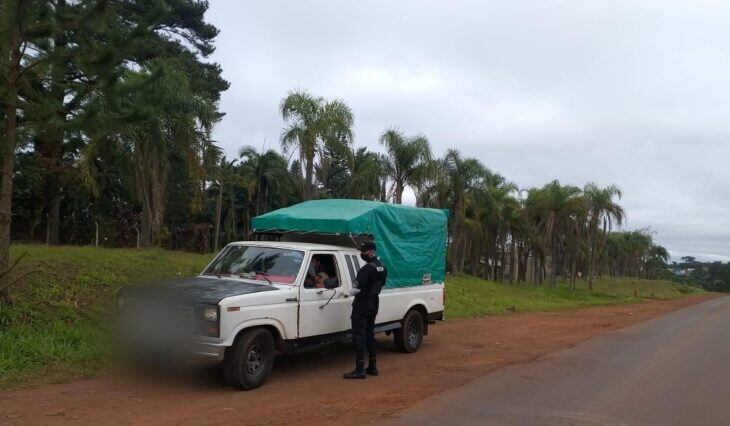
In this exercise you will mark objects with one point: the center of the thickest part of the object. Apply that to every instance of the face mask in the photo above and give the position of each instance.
(364, 256)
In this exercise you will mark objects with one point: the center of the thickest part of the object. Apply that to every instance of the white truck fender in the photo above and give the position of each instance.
(414, 303)
(253, 323)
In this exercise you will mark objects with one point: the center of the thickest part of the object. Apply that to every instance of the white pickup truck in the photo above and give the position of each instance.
(258, 297)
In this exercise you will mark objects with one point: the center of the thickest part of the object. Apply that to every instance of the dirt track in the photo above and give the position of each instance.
(307, 388)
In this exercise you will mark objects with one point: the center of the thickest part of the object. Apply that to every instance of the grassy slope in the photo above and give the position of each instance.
(468, 296)
(55, 330)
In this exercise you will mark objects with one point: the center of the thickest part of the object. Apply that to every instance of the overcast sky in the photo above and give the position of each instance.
(628, 92)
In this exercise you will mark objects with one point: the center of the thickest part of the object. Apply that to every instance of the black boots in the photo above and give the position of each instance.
(358, 372)
(372, 367)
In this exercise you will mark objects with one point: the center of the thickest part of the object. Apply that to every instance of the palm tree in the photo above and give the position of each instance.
(432, 189)
(657, 257)
(266, 173)
(501, 207)
(367, 172)
(551, 210)
(153, 113)
(407, 159)
(464, 174)
(312, 123)
(517, 228)
(602, 211)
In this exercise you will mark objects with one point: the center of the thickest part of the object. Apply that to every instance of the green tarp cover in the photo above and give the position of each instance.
(411, 241)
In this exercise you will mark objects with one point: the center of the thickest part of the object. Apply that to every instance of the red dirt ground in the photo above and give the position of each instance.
(307, 388)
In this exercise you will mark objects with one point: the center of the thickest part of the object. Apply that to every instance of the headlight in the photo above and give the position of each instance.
(120, 301)
(210, 314)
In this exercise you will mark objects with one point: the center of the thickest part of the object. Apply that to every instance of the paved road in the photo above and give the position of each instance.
(672, 370)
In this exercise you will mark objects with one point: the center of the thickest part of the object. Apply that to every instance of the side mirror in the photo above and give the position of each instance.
(331, 283)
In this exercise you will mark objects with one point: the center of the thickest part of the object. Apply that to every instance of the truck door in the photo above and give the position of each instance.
(324, 311)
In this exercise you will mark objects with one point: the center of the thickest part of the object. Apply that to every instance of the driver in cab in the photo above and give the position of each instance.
(316, 276)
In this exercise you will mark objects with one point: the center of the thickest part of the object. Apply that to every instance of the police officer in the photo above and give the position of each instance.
(370, 280)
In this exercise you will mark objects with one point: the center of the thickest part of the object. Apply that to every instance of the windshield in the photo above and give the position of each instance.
(258, 263)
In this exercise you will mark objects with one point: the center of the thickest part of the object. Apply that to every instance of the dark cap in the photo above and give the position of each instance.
(367, 246)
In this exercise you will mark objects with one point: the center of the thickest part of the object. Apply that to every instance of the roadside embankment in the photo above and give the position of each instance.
(55, 330)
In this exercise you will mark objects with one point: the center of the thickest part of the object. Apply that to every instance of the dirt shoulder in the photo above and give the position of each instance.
(307, 388)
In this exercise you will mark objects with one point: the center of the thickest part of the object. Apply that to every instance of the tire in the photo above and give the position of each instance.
(409, 337)
(248, 362)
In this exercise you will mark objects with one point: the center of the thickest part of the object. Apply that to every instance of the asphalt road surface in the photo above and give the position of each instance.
(672, 370)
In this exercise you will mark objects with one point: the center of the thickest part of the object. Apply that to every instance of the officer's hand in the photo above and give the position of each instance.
(354, 291)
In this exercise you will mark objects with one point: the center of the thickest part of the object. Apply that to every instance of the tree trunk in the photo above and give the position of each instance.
(554, 266)
(475, 259)
(495, 264)
(398, 193)
(463, 256)
(257, 202)
(145, 233)
(534, 269)
(592, 258)
(218, 208)
(308, 192)
(486, 270)
(523, 254)
(541, 268)
(233, 234)
(512, 258)
(247, 224)
(54, 218)
(153, 179)
(266, 198)
(455, 240)
(573, 270)
(6, 174)
(602, 243)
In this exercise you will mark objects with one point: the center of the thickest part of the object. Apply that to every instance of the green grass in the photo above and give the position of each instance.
(468, 296)
(55, 331)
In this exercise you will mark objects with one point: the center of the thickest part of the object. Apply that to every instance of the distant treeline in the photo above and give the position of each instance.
(713, 276)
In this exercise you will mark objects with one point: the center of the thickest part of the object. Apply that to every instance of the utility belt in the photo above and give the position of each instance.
(374, 291)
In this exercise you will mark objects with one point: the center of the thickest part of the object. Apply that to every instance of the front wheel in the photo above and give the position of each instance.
(408, 338)
(249, 361)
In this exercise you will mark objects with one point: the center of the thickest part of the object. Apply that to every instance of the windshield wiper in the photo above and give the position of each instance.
(261, 273)
(217, 274)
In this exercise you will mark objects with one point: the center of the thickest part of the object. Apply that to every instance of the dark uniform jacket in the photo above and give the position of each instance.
(370, 280)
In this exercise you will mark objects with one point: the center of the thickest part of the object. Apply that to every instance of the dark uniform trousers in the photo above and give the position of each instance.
(363, 332)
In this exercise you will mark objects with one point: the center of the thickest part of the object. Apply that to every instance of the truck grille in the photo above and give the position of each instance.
(185, 316)
(163, 318)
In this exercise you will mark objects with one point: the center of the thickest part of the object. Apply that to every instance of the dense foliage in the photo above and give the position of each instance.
(107, 109)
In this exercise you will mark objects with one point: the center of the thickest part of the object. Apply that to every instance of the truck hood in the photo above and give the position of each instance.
(201, 290)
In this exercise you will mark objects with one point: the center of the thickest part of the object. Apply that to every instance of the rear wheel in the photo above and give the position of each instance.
(408, 338)
(249, 361)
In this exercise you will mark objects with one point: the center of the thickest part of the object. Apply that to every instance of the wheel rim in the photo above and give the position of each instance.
(255, 359)
(413, 333)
